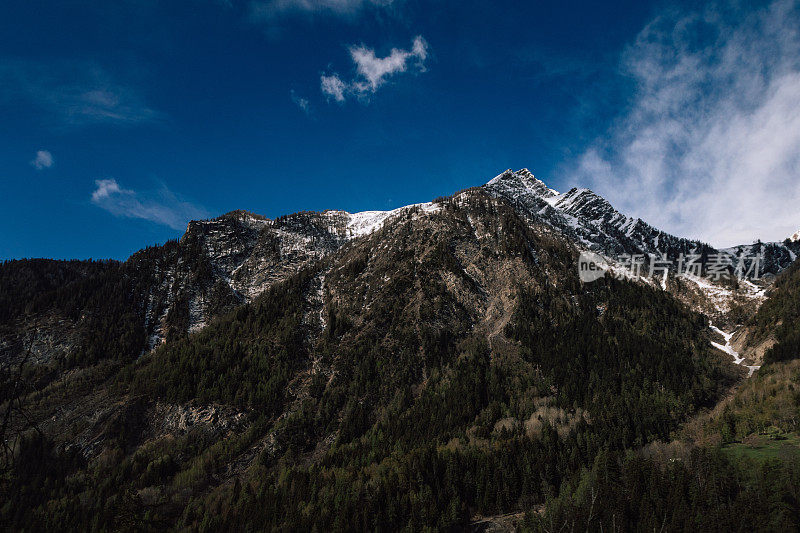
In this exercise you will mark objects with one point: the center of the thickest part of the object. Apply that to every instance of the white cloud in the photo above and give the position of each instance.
(710, 146)
(266, 10)
(372, 71)
(73, 93)
(161, 207)
(43, 159)
(333, 86)
(300, 102)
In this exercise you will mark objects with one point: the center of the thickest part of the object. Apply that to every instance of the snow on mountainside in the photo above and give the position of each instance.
(366, 222)
(594, 223)
(224, 262)
(247, 253)
(586, 217)
(243, 254)
(795, 237)
(251, 253)
(229, 260)
(513, 184)
(777, 255)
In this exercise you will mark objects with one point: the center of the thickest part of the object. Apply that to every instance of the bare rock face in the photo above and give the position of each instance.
(593, 224)
(356, 315)
(44, 338)
(170, 418)
(219, 264)
(250, 253)
(230, 260)
(586, 217)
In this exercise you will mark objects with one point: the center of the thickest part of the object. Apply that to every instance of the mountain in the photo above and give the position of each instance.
(417, 368)
(773, 333)
(593, 224)
(766, 404)
(592, 221)
(586, 218)
(224, 262)
(172, 289)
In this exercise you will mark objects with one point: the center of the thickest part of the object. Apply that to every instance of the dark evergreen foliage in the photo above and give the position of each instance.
(419, 420)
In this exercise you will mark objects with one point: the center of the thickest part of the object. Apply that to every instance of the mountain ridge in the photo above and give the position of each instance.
(294, 373)
(229, 260)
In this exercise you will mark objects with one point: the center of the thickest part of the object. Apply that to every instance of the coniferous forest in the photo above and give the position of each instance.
(388, 405)
(227, 303)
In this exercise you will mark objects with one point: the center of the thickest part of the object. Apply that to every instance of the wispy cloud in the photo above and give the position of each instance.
(270, 9)
(300, 102)
(161, 206)
(373, 71)
(43, 160)
(710, 146)
(73, 94)
(333, 87)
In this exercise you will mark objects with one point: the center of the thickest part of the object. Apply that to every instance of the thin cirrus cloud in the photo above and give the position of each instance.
(300, 102)
(271, 9)
(710, 147)
(372, 71)
(162, 206)
(73, 94)
(43, 160)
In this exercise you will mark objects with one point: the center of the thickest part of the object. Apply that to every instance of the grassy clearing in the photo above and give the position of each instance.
(764, 447)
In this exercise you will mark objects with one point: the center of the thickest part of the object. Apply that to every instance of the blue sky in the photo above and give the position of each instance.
(123, 120)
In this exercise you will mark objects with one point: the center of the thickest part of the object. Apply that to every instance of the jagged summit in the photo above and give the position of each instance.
(587, 204)
(238, 242)
(312, 330)
(243, 214)
(587, 218)
(521, 182)
(592, 222)
(244, 253)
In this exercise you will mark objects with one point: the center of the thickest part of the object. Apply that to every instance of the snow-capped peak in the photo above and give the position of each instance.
(521, 181)
(585, 216)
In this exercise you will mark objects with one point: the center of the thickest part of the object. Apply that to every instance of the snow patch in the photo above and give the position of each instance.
(367, 222)
(722, 297)
(728, 349)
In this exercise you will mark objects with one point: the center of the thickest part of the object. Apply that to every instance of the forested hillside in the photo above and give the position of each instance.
(780, 316)
(734, 467)
(446, 366)
(449, 365)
